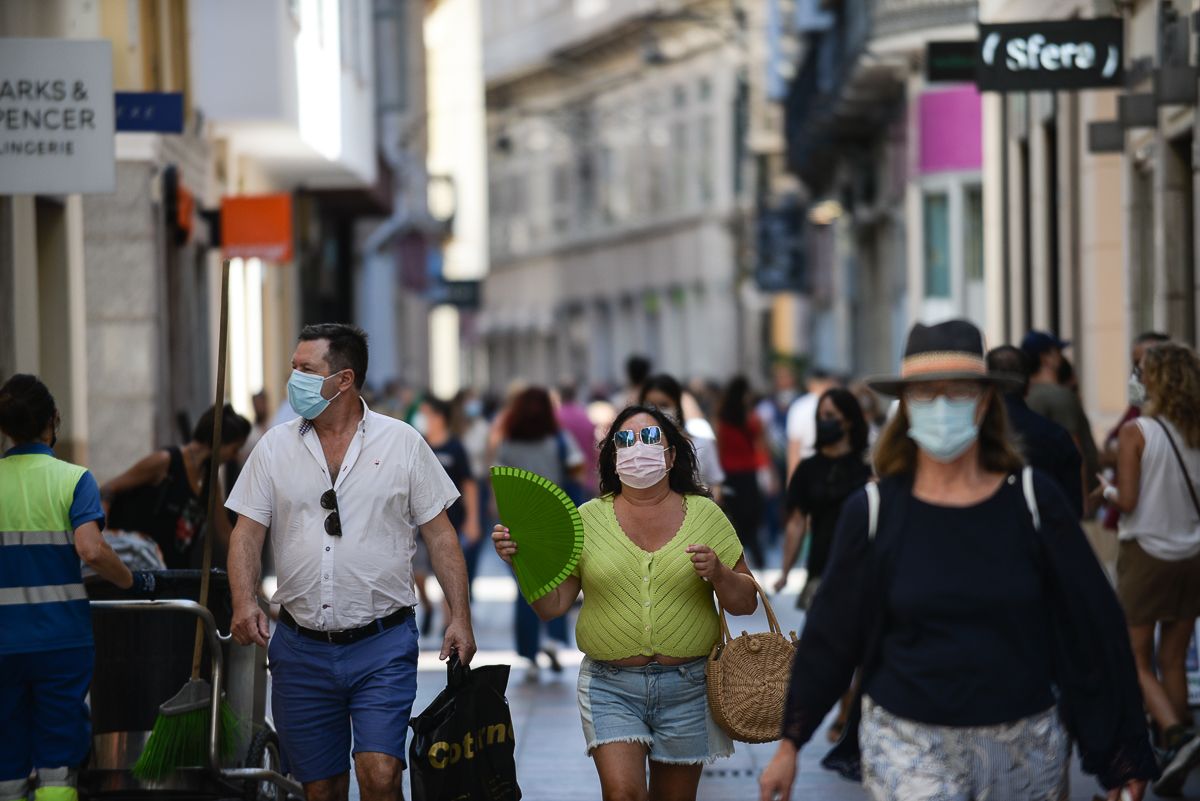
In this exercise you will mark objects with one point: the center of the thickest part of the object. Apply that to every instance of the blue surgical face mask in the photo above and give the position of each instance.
(943, 428)
(304, 394)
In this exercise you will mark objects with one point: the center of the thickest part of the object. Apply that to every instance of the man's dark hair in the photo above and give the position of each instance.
(1151, 336)
(568, 393)
(1011, 360)
(347, 347)
(442, 408)
(26, 408)
(234, 427)
(637, 369)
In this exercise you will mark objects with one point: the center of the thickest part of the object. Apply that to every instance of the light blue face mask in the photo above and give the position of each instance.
(943, 428)
(304, 394)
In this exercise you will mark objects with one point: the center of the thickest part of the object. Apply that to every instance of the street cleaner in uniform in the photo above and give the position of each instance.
(343, 491)
(50, 519)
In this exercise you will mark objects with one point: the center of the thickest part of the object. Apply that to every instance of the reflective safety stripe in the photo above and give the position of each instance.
(46, 594)
(56, 777)
(14, 790)
(56, 793)
(36, 538)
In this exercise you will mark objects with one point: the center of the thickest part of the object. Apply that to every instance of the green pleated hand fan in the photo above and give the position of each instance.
(544, 524)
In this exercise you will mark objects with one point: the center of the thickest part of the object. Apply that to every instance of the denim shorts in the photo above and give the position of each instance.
(322, 694)
(663, 707)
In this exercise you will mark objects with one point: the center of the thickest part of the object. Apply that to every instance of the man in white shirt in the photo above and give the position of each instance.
(343, 491)
(802, 420)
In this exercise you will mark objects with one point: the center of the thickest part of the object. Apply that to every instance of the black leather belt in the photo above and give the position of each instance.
(347, 636)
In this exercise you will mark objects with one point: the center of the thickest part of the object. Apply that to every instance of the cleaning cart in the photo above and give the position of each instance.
(143, 655)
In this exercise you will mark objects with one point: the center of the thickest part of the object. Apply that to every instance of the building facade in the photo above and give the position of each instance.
(1091, 199)
(891, 166)
(112, 298)
(618, 187)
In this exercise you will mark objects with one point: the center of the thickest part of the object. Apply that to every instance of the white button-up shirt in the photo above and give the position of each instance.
(390, 482)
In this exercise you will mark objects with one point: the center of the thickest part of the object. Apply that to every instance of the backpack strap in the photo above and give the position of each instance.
(1031, 497)
(872, 510)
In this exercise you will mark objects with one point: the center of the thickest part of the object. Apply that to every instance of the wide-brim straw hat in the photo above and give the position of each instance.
(949, 351)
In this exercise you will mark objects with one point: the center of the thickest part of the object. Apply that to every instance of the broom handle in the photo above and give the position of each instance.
(214, 465)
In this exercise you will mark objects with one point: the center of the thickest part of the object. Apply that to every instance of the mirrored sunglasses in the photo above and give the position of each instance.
(650, 435)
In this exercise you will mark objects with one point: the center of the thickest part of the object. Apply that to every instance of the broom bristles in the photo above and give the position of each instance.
(181, 741)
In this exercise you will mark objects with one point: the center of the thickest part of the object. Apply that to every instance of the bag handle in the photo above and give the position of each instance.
(1179, 458)
(456, 672)
(772, 621)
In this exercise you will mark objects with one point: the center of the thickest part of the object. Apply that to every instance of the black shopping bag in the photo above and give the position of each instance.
(462, 746)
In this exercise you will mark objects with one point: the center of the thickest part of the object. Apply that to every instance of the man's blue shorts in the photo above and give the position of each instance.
(322, 693)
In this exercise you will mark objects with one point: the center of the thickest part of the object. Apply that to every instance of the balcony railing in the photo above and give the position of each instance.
(893, 17)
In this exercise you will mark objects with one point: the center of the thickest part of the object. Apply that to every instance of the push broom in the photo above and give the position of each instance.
(180, 734)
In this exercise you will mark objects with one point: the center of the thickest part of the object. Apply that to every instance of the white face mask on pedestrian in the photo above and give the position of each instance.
(641, 466)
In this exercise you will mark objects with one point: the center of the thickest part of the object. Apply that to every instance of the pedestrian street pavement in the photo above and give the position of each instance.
(551, 763)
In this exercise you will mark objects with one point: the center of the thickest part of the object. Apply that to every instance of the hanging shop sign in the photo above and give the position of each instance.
(1052, 55)
(56, 117)
(257, 227)
(779, 266)
(155, 112)
(463, 294)
(951, 61)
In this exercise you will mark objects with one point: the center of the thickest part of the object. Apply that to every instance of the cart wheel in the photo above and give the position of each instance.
(264, 753)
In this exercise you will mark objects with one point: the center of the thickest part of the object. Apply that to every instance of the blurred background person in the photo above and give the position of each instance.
(664, 392)
(164, 496)
(637, 370)
(1045, 444)
(532, 440)
(1135, 393)
(464, 513)
(821, 483)
(802, 418)
(573, 419)
(1158, 568)
(742, 446)
(1057, 402)
(873, 409)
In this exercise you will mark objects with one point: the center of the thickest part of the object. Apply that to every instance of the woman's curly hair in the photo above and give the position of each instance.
(1171, 373)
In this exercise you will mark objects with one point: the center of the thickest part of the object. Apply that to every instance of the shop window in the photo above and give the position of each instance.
(937, 245)
(973, 233)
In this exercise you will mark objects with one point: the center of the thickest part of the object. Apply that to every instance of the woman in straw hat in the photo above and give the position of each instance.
(987, 633)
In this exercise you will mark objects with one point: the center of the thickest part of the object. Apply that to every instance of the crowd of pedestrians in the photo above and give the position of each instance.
(983, 584)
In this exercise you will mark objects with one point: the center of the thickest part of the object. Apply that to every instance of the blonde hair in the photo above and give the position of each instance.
(896, 452)
(1171, 373)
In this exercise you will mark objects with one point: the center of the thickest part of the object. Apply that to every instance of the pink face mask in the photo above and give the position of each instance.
(641, 465)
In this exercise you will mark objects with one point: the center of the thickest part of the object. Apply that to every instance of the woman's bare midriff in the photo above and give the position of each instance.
(642, 661)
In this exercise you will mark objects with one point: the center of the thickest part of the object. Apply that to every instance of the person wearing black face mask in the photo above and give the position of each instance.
(820, 484)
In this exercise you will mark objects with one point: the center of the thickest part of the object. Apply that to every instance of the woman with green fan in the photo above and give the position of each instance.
(655, 549)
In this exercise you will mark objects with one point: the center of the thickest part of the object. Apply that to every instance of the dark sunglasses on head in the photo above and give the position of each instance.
(333, 523)
(650, 435)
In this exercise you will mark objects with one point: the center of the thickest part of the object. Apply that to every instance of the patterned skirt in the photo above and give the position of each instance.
(1024, 760)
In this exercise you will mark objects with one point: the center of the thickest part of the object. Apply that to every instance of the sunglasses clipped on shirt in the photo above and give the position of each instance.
(333, 523)
(650, 435)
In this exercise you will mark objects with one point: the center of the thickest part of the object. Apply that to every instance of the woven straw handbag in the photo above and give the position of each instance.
(748, 679)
